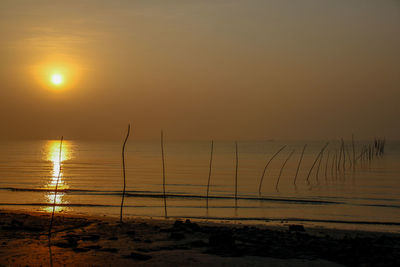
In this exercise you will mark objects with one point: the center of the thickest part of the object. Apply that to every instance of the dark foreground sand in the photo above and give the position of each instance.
(91, 241)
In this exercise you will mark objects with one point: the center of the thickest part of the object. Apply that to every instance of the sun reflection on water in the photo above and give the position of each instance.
(52, 154)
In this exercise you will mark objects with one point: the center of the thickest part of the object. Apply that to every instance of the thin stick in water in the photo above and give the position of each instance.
(369, 153)
(348, 156)
(283, 166)
(236, 170)
(298, 166)
(123, 171)
(383, 146)
(361, 156)
(333, 162)
(344, 155)
(326, 165)
(336, 163)
(354, 151)
(209, 171)
(372, 152)
(340, 157)
(163, 169)
(54, 204)
(266, 166)
(55, 190)
(315, 161)
(319, 165)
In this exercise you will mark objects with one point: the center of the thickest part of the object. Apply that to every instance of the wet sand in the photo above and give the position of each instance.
(79, 240)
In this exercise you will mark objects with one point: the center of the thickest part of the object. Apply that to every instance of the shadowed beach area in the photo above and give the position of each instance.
(79, 240)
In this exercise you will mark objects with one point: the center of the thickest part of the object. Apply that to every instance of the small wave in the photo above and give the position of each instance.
(379, 205)
(132, 206)
(43, 189)
(291, 200)
(58, 205)
(152, 194)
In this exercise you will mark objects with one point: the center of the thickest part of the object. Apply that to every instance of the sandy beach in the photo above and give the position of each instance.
(79, 240)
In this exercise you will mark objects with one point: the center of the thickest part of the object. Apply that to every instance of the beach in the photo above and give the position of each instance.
(79, 240)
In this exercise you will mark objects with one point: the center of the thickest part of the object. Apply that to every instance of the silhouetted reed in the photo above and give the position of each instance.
(236, 170)
(319, 165)
(326, 165)
(333, 162)
(123, 171)
(209, 171)
(298, 166)
(361, 157)
(339, 157)
(54, 204)
(283, 166)
(336, 163)
(315, 161)
(266, 166)
(344, 156)
(163, 170)
(348, 157)
(382, 146)
(369, 153)
(56, 188)
(50, 253)
(379, 145)
(354, 151)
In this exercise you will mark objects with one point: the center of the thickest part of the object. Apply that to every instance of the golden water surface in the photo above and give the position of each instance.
(52, 154)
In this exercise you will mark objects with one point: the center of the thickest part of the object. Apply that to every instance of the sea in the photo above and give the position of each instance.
(343, 187)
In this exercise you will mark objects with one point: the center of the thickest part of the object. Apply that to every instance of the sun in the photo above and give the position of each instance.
(57, 75)
(57, 79)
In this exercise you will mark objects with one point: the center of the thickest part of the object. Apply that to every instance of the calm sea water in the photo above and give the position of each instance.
(364, 197)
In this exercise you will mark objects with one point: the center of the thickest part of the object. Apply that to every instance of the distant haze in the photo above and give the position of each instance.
(200, 69)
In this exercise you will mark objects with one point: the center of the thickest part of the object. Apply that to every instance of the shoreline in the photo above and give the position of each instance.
(388, 227)
(87, 240)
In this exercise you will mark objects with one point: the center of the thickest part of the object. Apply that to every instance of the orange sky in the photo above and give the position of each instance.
(200, 69)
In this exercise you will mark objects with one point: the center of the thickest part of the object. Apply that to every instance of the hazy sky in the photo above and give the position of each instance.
(200, 69)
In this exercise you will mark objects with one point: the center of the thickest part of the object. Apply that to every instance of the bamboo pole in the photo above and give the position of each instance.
(344, 156)
(361, 157)
(383, 146)
(319, 165)
(336, 164)
(339, 158)
(266, 166)
(348, 156)
(283, 166)
(315, 161)
(236, 170)
(354, 151)
(123, 171)
(209, 171)
(56, 188)
(298, 166)
(163, 169)
(369, 153)
(333, 162)
(326, 165)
